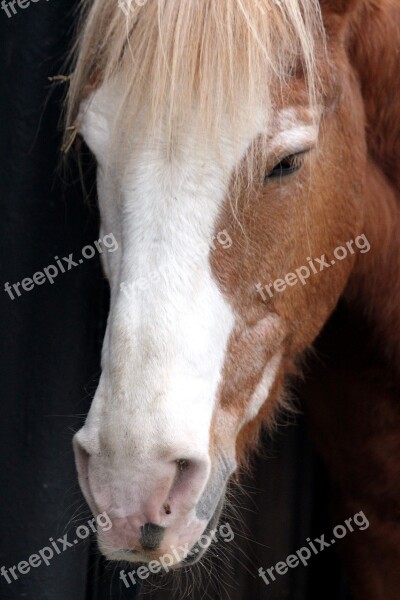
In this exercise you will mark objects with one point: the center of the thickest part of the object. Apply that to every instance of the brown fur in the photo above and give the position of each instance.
(357, 425)
(353, 405)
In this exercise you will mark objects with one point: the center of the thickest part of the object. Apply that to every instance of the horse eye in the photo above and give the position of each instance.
(285, 167)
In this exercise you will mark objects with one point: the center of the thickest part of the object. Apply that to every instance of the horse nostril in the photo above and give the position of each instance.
(81, 458)
(151, 536)
(182, 463)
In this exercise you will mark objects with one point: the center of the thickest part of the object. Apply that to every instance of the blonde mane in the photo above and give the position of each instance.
(168, 54)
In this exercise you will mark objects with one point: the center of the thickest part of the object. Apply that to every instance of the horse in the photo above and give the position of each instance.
(274, 125)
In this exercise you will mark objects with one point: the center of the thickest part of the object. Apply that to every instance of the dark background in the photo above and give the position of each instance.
(50, 340)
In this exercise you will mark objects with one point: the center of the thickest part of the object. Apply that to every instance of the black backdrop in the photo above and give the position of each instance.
(49, 336)
(50, 339)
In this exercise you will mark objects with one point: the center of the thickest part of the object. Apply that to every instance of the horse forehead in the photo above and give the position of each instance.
(98, 122)
(286, 125)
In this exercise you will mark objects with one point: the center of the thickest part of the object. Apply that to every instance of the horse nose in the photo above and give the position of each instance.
(127, 530)
(81, 458)
(143, 497)
(82, 453)
(156, 495)
(151, 536)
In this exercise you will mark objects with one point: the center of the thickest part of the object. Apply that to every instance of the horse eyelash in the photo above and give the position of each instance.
(296, 161)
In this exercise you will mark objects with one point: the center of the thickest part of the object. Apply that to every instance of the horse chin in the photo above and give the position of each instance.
(197, 551)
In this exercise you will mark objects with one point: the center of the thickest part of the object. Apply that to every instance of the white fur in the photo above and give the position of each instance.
(263, 388)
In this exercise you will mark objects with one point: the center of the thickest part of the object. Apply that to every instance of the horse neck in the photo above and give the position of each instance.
(375, 283)
(373, 42)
